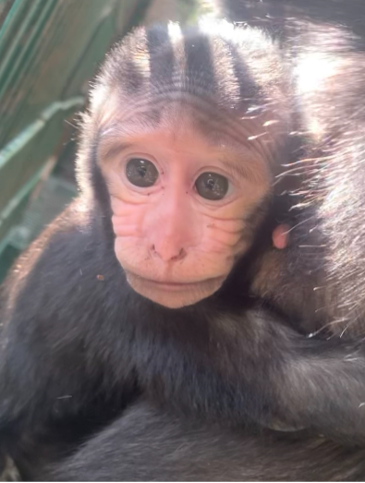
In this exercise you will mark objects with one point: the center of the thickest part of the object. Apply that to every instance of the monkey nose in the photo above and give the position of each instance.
(168, 254)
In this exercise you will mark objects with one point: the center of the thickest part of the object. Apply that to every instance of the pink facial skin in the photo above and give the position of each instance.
(175, 246)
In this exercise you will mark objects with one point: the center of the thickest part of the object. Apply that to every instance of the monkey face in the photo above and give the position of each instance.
(187, 129)
(181, 205)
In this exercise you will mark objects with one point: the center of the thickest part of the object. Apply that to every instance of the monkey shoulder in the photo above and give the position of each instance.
(56, 303)
(60, 271)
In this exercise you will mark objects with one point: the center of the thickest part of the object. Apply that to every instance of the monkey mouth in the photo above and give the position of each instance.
(170, 285)
(173, 294)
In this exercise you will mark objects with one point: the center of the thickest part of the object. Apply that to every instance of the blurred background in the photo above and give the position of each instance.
(49, 52)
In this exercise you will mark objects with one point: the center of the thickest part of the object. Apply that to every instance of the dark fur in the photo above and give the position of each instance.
(148, 444)
(79, 345)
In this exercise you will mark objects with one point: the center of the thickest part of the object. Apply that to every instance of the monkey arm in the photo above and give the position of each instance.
(322, 386)
(147, 444)
(312, 383)
(52, 368)
(255, 368)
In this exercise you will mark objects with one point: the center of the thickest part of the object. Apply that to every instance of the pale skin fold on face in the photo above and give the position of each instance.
(175, 245)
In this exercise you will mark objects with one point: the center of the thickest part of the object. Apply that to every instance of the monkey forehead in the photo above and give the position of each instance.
(154, 107)
(237, 68)
(184, 116)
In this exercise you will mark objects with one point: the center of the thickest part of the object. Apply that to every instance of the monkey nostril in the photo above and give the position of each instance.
(179, 256)
(172, 258)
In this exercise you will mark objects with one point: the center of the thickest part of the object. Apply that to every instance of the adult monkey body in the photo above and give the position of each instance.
(80, 345)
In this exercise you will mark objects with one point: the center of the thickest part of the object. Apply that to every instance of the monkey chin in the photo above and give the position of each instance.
(174, 295)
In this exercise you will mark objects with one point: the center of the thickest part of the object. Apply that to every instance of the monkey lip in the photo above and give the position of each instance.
(170, 285)
(173, 294)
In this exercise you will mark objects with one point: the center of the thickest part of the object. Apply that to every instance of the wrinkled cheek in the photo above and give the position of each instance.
(128, 212)
(122, 206)
(130, 252)
(127, 219)
(225, 243)
(128, 245)
(124, 228)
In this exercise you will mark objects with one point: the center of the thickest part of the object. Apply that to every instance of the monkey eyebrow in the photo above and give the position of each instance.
(246, 168)
(111, 150)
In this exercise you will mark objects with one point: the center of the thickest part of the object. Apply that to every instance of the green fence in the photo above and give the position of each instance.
(49, 49)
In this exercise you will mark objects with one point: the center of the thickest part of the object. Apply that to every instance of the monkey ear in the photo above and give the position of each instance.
(280, 236)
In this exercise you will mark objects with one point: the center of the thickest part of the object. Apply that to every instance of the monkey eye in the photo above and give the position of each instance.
(212, 186)
(141, 172)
